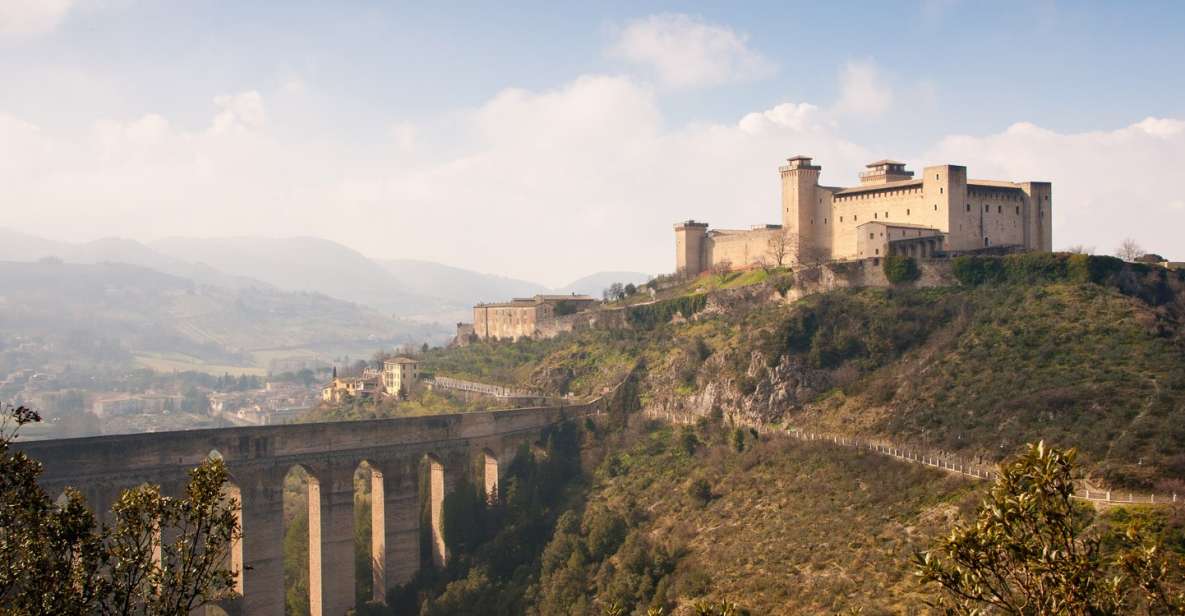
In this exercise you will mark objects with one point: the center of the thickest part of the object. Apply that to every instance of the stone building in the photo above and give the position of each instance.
(399, 374)
(889, 212)
(351, 387)
(523, 317)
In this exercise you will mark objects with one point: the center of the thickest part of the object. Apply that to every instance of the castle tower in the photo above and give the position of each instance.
(690, 240)
(800, 179)
(1038, 223)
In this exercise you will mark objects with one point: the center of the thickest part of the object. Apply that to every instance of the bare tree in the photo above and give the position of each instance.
(781, 246)
(1129, 250)
(1079, 249)
(812, 255)
(721, 268)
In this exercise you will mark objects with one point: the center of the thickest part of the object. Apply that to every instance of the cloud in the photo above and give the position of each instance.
(243, 111)
(863, 90)
(801, 116)
(21, 18)
(687, 52)
(1106, 184)
(542, 184)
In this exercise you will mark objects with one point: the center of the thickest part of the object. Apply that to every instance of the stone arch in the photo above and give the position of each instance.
(489, 475)
(435, 495)
(370, 505)
(302, 510)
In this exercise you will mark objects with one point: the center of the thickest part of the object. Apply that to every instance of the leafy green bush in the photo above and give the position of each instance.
(782, 283)
(1091, 268)
(1033, 267)
(900, 269)
(700, 491)
(974, 271)
(1037, 267)
(688, 441)
(738, 440)
(606, 531)
(649, 316)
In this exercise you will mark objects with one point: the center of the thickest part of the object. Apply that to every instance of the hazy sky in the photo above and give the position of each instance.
(546, 141)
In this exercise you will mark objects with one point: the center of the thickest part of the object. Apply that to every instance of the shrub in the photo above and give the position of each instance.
(974, 271)
(1031, 267)
(649, 316)
(606, 532)
(782, 283)
(738, 440)
(900, 269)
(700, 491)
(1091, 268)
(688, 441)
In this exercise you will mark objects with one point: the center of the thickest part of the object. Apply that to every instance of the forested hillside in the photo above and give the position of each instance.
(689, 494)
(1082, 352)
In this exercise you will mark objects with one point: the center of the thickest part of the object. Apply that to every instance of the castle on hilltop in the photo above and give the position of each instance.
(889, 213)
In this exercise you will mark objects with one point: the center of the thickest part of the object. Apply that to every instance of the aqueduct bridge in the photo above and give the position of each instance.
(467, 445)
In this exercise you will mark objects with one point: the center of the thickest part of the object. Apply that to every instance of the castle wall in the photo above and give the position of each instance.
(904, 204)
(511, 322)
(741, 248)
(1002, 212)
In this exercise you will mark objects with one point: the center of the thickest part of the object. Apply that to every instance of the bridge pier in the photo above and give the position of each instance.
(402, 524)
(337, 538)
(263, 541)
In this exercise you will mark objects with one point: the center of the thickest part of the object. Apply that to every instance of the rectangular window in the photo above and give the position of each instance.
(968, 207)
(878, 251)
(999, 209)
(872, 236)
(1018, 210)
(986, 207)
(907, 211)
(886, 214)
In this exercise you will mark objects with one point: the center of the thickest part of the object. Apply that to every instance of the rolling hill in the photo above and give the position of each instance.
(125, 309)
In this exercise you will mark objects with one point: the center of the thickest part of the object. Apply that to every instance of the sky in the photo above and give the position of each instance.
(546, 141)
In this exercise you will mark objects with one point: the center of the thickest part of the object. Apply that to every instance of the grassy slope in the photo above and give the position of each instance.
(1074, 364)
(979, 370)
(792, 527)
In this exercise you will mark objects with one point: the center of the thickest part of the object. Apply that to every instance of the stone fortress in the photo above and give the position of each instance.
(889, 213)
(526, 317)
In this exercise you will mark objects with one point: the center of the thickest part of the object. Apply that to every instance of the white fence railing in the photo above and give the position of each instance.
(972, 469)
(497, 391)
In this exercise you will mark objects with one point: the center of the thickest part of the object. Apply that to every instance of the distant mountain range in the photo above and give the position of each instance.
(111, 312)
(417, 289)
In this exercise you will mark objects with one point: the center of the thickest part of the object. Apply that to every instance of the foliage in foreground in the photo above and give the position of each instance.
(1031, 550)
(59, 560)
